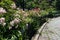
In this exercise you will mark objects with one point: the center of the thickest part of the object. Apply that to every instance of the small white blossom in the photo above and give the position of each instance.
(12, 23)
(15, 21)
(2, 10)
(2, 20)
(10, 28)
(13, 6)
(27, 26)
(18, 8)
(4, 24)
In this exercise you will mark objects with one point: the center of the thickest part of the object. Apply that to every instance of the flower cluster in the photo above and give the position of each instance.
(15, 21)
(2, 10)
(2, 21)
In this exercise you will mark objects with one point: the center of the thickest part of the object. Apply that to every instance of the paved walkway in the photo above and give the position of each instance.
(49, 31)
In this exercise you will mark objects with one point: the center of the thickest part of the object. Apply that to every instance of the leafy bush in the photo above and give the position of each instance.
(16, 24)
(42, 4)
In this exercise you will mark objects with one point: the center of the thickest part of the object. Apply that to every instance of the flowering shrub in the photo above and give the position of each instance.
(16, 24)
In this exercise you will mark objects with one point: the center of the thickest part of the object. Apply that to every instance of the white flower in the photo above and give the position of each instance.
(12, 23)
(27, 26)
(10, 28)
(15, 21)
(2, 10)
(4, 24)
(2, 20)
(18, 8)
(13, 6)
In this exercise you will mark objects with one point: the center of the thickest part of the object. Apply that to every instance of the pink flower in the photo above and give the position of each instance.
(2, 10)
